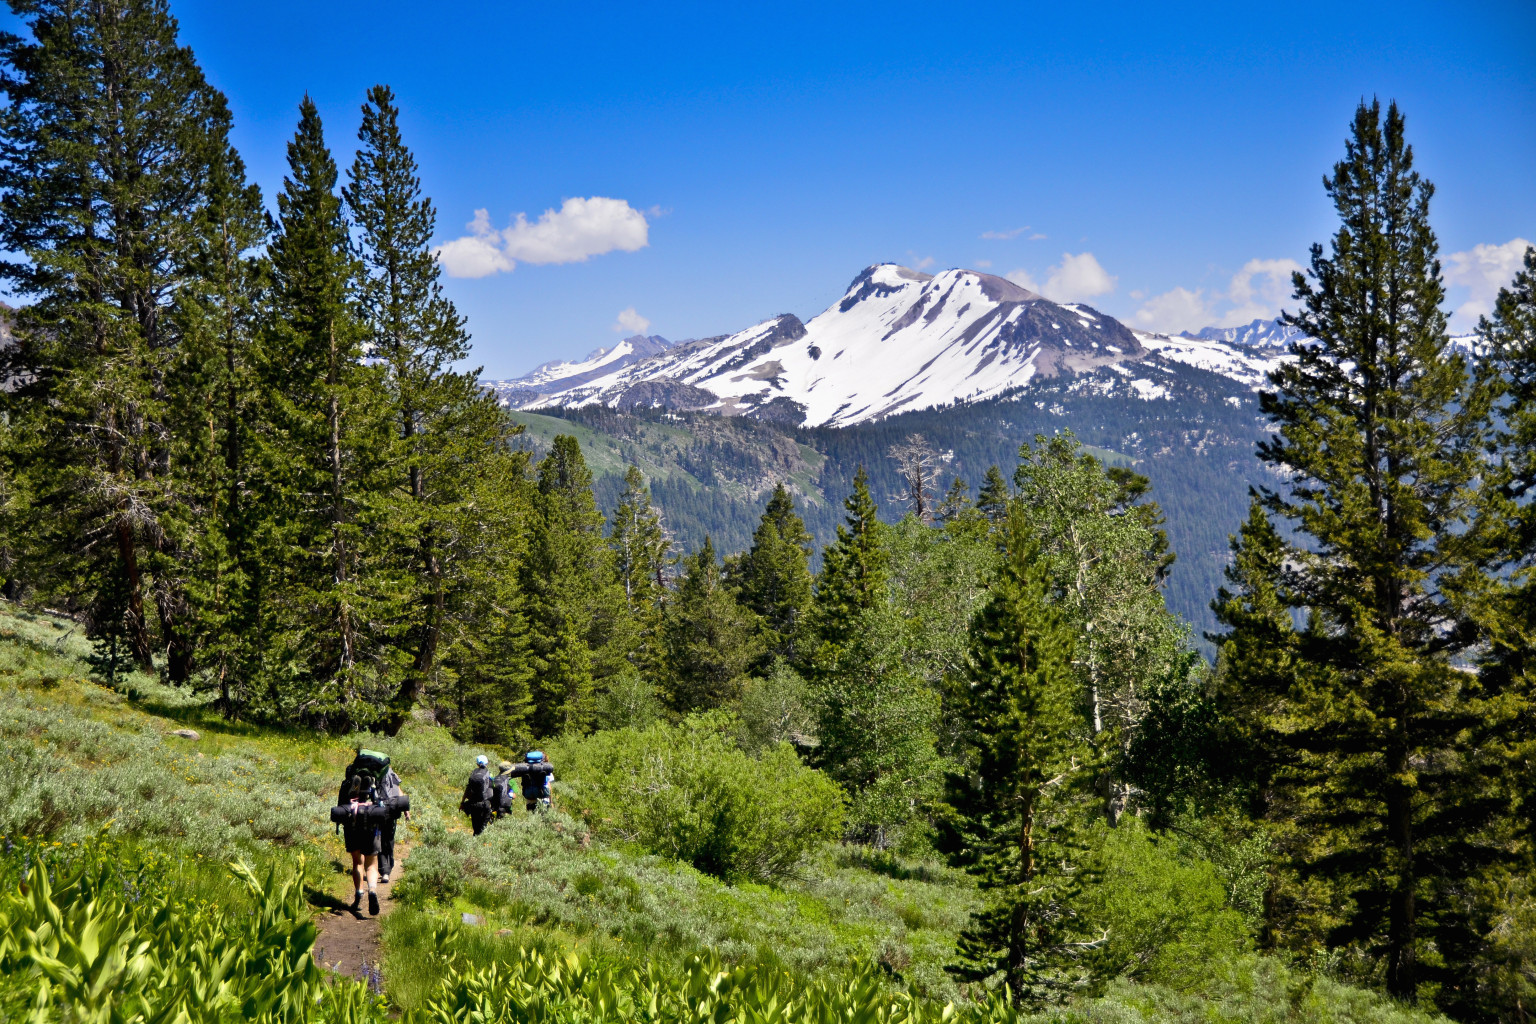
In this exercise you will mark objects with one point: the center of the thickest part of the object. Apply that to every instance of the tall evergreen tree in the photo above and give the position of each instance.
(332, 612)
(221, 311)
(575, 610)
(992, 501)
(774, 577)
(1379, 429)
(486, 672)
(853, 573)
(105, 144)
(1019, 814)
(447, 431)
(708, 640)
(874, 715)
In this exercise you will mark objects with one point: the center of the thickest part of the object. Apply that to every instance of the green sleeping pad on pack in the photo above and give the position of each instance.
(371, 762)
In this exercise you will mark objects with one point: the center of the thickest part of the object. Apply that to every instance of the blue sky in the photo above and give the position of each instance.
(755, 157)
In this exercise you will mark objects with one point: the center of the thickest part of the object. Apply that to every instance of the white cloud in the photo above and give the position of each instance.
(1174, 311)
(1022, 278)
(475, 255)
(983, 264)
(1482, 271)
(1037, 236)
(580, 229)
(629, 320)
(1074, 279)
(1257, 292)
(1003, 236)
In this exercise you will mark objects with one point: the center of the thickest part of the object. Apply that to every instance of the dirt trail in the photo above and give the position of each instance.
(349, 942)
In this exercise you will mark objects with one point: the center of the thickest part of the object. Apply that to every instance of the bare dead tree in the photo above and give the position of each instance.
(916, 461)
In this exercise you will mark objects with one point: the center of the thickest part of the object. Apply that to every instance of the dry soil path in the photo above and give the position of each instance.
(348, 942)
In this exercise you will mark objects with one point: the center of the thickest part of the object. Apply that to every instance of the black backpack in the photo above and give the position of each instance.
(501, 792)
(477, 791)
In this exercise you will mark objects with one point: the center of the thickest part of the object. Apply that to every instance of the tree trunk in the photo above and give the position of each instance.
(138, 629)
(1402, 920)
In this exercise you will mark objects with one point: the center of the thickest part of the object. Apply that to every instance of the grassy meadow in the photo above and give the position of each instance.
(94, 781)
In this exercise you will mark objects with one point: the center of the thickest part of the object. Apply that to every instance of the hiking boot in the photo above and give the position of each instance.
(373, 903)
(384, 879)
(357, 902)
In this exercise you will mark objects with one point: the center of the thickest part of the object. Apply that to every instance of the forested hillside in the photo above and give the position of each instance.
(954, 756)
(710, 475)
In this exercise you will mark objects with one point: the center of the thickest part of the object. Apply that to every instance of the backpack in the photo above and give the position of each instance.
(501, 793)
(477, 791)
(372, 764)
(536, 780)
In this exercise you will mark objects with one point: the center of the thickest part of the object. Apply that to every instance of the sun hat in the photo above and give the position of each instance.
(481, 761)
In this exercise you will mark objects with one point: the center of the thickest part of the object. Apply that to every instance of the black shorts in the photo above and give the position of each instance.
(362, 839)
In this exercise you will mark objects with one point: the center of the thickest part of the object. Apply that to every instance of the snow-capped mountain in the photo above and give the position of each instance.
(560, 374)
(898, 340)
(1259, 333)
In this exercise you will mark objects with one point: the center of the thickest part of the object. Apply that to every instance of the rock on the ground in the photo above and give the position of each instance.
(186, 734)
(469, 918)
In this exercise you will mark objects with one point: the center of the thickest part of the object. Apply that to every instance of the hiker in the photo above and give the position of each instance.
(362, 836)
(477, 795)
(391, 790)
(538, 777)
(501, 791)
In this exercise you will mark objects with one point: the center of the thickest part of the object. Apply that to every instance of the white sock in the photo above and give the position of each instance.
(359, 892)
(370, 887)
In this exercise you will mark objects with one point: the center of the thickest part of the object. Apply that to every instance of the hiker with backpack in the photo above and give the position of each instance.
(477, 795)
(392, 795)
(358, 793)
(501, 792)
(367, 807)
(538, 777)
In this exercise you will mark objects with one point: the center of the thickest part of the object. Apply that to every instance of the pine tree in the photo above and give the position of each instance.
(1256, 659)
(853, 573)
(105, 144)
(1379, 431)
(992, 501)
(447, 431)
(957, 501)
(708, 640)
(773, 578)
(874, 716)
(221, 312)
(1019, 816)
(1509, 611)
(331, 608)
(575, 610)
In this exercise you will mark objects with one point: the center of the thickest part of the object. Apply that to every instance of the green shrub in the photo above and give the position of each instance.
(1166, 917)
(687, 792)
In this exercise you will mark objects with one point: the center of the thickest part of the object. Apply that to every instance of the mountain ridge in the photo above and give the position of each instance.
(898, 340)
